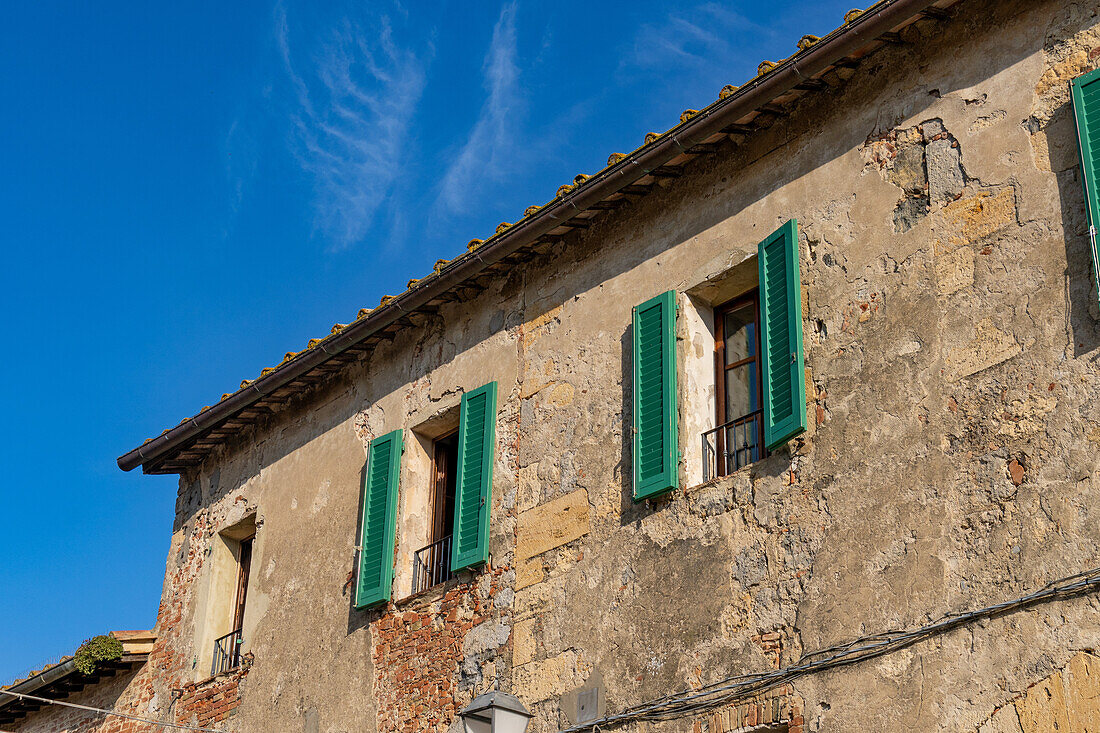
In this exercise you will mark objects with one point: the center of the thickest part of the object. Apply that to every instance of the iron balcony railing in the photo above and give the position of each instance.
(227, 652)
(728, 447)
(432, 565)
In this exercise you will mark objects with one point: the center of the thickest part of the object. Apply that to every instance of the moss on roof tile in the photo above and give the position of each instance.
(807, 41)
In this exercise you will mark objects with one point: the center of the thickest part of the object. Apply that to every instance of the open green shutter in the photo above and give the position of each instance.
(656, 456)
(379, 520)
(473, 494)
(781, 329)
(1086, 105)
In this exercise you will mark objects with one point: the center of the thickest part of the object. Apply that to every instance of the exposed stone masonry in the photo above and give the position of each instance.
(778, 710)
(434, 652)
(212, 700)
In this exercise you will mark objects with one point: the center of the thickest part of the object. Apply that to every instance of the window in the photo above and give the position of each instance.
(438, 519)
(432, 563)
(747, 402)
(227, 649)
(736, 441)
(222, 611)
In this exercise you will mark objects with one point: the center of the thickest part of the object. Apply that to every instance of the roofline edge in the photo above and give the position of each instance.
(879, 19)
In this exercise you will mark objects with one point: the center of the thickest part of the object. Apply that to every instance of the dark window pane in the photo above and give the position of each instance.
(740, 331)
(741, 397)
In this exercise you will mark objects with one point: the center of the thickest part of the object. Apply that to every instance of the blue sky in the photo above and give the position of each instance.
(190, 190)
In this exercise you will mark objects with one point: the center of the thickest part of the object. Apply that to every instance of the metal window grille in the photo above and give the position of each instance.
(432, 565)
(227, 652)
(728, 447)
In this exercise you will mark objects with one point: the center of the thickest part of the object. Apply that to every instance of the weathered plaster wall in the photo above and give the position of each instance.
(951, 340)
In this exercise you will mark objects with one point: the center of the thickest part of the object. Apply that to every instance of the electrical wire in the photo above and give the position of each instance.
(102, 711)
(734, 689)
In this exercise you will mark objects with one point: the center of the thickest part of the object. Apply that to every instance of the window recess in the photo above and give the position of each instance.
(222, 610)
(739, 354)
(227, 649)
(737, 439)
(432, 563)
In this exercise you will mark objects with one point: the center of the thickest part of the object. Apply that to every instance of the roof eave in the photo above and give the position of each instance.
(55, 674)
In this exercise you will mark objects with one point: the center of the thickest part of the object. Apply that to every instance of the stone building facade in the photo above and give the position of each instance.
(946, 459)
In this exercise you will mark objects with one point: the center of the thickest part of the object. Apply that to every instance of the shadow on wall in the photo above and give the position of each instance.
(629, 512)
(1081, 295)
(359, 618)
(1054, 138)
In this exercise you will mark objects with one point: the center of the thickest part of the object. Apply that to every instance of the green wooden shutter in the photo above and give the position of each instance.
(379, 520)
(1086, 104)
(656, 456)
(781, 329)
(473, 494)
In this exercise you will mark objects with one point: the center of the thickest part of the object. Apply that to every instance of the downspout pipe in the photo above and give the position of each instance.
(882, 18)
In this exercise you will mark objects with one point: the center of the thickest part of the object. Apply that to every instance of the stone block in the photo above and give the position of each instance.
(955, 270)
(528, 488)
(909, 171)
(1082, 688)
(989, 347)
(485, 637)
(547, 678)
(945, 176)
(552, 525)
(1005, 720)
(528, 572)
(1043, 709)
(562, 395)
(523, 641)
(533, 601)
(974, 218)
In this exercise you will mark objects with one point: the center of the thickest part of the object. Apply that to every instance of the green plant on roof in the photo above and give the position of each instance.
(96, 650)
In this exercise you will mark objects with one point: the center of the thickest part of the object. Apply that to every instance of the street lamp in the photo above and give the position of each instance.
(495, 712)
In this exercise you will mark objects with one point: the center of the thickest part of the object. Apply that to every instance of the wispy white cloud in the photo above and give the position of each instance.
(354, 99)
(488, 148)
(701, 35)
(241, 162)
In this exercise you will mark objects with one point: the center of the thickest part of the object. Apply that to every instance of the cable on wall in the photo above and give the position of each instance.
(102, 711)
(736, 689)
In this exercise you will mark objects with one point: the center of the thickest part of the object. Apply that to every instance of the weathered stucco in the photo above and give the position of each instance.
(954, 407)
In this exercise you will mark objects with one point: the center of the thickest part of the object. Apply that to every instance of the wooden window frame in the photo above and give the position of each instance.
(244, 569)
(438, 498)
(721, 368)
(432, 563)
